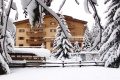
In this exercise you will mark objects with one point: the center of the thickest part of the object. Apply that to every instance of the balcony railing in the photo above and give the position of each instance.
(35, 34)
(71, 39)
(35, 41)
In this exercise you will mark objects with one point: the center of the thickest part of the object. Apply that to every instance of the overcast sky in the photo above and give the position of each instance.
(70, 8)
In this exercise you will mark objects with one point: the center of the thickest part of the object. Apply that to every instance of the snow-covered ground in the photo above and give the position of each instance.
(59, 73)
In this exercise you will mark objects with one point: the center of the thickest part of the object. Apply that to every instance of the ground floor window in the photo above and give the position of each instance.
(35, 44)
(20, 44)
(51, 44)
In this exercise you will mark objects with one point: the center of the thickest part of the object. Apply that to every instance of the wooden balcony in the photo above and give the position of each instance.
(36, 34)
(34, 41)
(71, 39)
(42, 27)
(72, 33)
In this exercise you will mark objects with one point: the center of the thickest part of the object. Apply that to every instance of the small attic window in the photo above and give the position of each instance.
(52, 23)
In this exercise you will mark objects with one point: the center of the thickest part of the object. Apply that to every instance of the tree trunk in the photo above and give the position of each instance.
(4, 69)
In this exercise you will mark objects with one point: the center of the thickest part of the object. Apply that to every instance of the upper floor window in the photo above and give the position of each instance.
(21, 38)
(52, 23)
(31, 37)
(32, 30)
(40, 30)
(21, 30)
(52, 30)
(40, 38)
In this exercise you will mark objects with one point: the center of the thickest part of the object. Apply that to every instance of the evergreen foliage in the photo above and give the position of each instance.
(111, 36)
(87, 40)
(76, 47)
(62, 46)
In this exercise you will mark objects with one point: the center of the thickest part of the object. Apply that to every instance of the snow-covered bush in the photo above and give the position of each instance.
(76, 47)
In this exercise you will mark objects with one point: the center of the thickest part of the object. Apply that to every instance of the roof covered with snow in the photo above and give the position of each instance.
(37, 51)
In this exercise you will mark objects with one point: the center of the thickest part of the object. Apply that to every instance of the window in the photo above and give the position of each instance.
(21, 38)
(52, 23)
(52, 30)
(21, 30)
(80, 45)
(32, 30)
(20, 44)
(51, 45)
(41, 30)
(31, 44)
(35, 44)
(31, 37)
(40, 38)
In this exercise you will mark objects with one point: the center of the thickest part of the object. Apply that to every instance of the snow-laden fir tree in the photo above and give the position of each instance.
(62, 45)
(110, 44)
(87, 40)
(6, 40)
(76, 47)
(94, 33)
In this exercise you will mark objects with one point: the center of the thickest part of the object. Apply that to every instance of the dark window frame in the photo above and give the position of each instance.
(21, 38)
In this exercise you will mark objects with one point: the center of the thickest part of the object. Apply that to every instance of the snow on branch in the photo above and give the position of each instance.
(93, 4)
(106, 1)
(77, 2)
(64, 3)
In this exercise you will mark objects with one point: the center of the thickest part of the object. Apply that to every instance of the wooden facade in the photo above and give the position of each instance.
(27, 36)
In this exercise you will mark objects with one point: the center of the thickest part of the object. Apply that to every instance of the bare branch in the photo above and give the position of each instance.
(77, 2)
(62, 5)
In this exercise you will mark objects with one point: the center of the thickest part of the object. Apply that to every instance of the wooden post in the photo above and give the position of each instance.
(80, 63)
(63, 64)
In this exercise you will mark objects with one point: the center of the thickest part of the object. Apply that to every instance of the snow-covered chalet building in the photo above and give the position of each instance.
(32, 37)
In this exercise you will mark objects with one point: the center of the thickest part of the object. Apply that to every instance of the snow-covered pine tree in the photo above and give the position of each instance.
(76, 47)
(87, 40)
(62, 45)
(94, 33)
(110, 49)
(5, 37)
